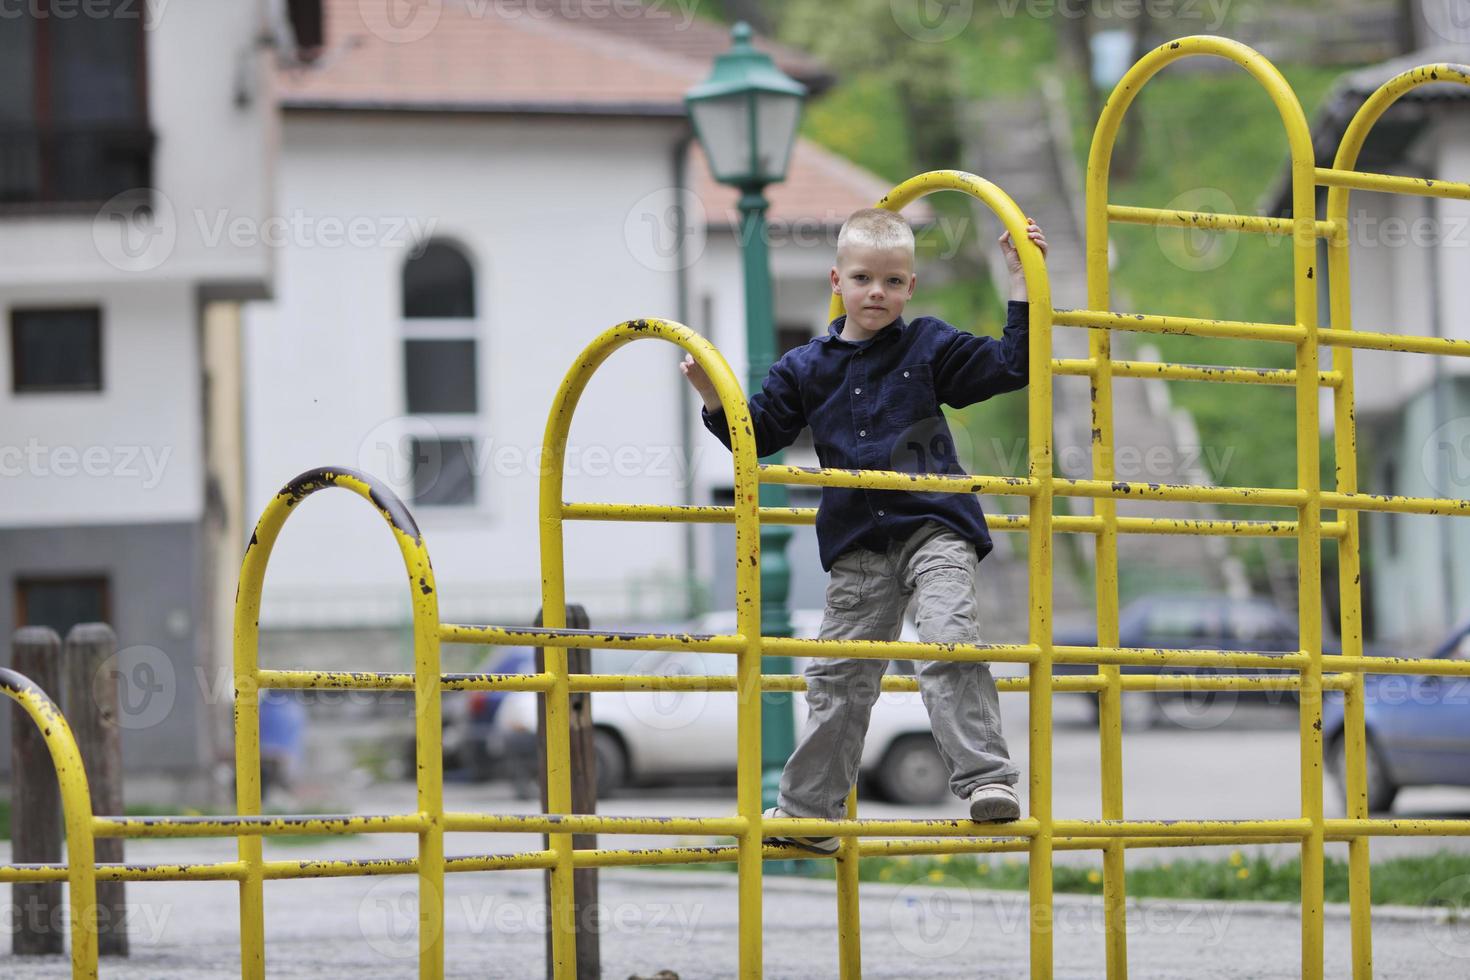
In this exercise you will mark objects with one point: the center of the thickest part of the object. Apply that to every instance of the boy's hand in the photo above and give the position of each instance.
(1008, 247)
(701, 382)
(1013, 257)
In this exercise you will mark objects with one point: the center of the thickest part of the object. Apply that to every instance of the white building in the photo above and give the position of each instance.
(516, 178)
(131, 130)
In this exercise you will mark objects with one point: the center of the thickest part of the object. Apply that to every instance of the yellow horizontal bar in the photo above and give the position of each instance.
(550, 823)
(1144, 656)
(681, 513)
(390, 681)
(1166, 525)
(1086, 367)
(1440, 666)
(1181, 325)
(1199, 828)
(1182, 492)
(1213, 221)
(1392, 183)
(900, 650)
(1394, 504)
(221, 871)
(808, 826)
(591, 639)
(251, 826)
(893, 480)
(1405, 343)
(1397, 828)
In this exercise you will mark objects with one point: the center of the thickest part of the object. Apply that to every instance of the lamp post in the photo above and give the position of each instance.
(745, 116)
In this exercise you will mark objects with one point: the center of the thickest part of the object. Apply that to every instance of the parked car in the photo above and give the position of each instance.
(1194, 621)
(657, 736)
(472, 744)
(1418, 728)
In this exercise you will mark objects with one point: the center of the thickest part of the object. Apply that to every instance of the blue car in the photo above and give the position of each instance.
(1418, 728)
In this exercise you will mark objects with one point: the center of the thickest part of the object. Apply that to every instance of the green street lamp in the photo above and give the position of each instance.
(745, 116)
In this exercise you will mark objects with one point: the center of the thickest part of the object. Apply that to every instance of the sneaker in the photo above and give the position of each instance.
(994, 801)
(817, 845)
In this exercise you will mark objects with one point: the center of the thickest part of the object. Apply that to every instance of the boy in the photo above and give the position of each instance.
(871, 390)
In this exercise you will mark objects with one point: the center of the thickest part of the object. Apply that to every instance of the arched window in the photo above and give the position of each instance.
(438, 283)
(441, 375)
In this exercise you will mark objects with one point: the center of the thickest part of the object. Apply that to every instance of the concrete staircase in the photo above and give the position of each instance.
(1020, 144)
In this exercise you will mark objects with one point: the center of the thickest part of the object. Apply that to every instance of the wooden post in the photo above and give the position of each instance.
(91, 684)
(38, 926)
(584, 798)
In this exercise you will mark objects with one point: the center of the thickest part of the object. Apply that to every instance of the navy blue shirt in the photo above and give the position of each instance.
(875, 405)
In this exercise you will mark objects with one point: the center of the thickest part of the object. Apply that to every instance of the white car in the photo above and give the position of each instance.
(651, 736)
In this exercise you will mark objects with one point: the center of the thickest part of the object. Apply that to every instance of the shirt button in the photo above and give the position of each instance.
(862, 433)
(857, 391)
(880, 513)
(905, 374)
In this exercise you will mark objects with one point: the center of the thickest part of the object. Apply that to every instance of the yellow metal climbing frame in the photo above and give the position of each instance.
(1039, 833)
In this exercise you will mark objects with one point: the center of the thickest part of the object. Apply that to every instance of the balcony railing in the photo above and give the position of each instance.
(72, 166)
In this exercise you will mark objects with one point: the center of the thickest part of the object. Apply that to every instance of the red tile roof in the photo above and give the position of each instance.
(516, 55)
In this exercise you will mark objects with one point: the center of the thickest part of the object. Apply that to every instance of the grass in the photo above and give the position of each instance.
(1420, 880)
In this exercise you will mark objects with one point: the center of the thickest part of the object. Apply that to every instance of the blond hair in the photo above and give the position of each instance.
(875, 228)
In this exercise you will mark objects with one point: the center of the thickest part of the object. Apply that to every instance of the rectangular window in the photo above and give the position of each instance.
(440, 376)
(62, 603)
(73, 103)
(56, 350)
(443, 472)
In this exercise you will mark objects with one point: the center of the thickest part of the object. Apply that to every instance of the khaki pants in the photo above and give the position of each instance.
(866, 599)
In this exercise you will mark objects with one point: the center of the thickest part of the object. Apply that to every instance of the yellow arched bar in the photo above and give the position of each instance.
(76, 813)
(1345, 438)
(1039, 557)
(426, 686)
(747, 618)
(1304, 227)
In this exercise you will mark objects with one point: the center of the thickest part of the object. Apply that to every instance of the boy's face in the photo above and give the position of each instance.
(874, 284)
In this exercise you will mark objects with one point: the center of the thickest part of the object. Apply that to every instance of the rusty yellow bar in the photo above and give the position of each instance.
(1087, 366)
(1364, 340)
(1398, 828)
(1180, 492)
(683, 513)
(1394, 184)
(1395, 504)
(849, 913)
(512, 636)
(430, 759)
(1210, 221)
(1440, 666)
(76, 816)
(305, 824)
(590, 824)
(1346, 450)
(894, 480)
(1181, 325)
